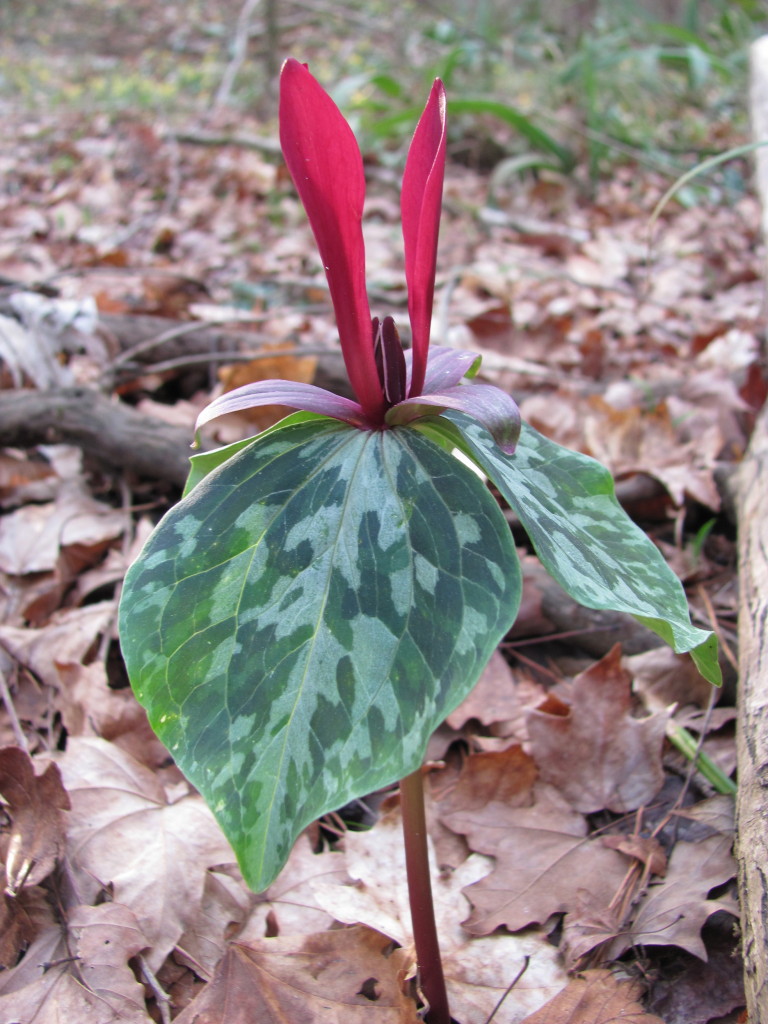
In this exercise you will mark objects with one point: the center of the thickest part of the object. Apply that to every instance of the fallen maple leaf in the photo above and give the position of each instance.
(35, 805)
(541, 866)
(478, 971)
(346, 976)
(127, 835)
(592, 749)
(595, 997)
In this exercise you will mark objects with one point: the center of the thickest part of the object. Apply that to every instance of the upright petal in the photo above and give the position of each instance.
(420, 204)
(325, 163)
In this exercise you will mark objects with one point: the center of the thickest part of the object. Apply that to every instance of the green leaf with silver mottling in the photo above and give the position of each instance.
(301, 622)
(203, 463)
(584, 538)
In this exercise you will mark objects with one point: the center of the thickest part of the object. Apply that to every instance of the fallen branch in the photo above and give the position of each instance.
(106, 429)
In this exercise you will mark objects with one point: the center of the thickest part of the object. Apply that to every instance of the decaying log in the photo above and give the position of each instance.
(110, 431)
(752, 804)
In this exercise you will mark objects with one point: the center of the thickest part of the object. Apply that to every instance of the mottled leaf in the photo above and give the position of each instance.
(585, 540)
(299, 624)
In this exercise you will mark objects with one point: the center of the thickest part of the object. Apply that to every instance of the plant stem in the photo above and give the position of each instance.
(687, 745)
(428, 959)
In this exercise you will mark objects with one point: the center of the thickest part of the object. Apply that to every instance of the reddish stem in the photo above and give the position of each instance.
(428, 959)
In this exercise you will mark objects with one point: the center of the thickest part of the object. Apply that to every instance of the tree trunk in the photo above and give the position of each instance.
(752, 802)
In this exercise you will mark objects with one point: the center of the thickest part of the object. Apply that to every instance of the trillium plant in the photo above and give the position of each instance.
(327, 592)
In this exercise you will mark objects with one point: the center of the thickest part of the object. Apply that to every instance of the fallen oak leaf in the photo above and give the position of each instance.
(35, 805)
(592, 749)
(346, 976)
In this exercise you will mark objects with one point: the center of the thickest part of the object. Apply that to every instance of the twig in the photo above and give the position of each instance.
(162, 997)
(517, 977)
(179, 331)
(727, 649)
(231, 357)
(270, 147)
(18, 732)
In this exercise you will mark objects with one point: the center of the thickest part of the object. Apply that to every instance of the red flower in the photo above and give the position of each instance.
(392, 387)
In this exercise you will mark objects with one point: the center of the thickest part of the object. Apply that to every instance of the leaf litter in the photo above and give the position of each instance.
(576, 872)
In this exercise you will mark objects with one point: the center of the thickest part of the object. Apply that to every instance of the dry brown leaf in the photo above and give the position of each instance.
(22, 478)
(224, 906)
(289, 907)
(645, 849)
(478, 971)
(717, 812)
(488, 824)
(67, 638)
(89, 707)
(32, 536)
(152, 850)
(505, 777)
(660, 677)
(494, 697)
(637, 440)
(674, 910)
(22, 918)
(700, 993)
(593, 750)
(35, 805)
(106, 938)
(347, 976)
(595, 997)
(539, 868)
(81, 976)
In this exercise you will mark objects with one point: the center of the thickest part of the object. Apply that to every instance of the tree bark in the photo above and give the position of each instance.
(752, 803)
(752, 729)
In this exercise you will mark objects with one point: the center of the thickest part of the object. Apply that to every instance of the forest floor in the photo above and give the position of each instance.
(152, 254)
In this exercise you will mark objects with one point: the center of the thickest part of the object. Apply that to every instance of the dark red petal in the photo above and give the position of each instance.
(390, 359)
(325, 163)
(420, 203)
(284, 392)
